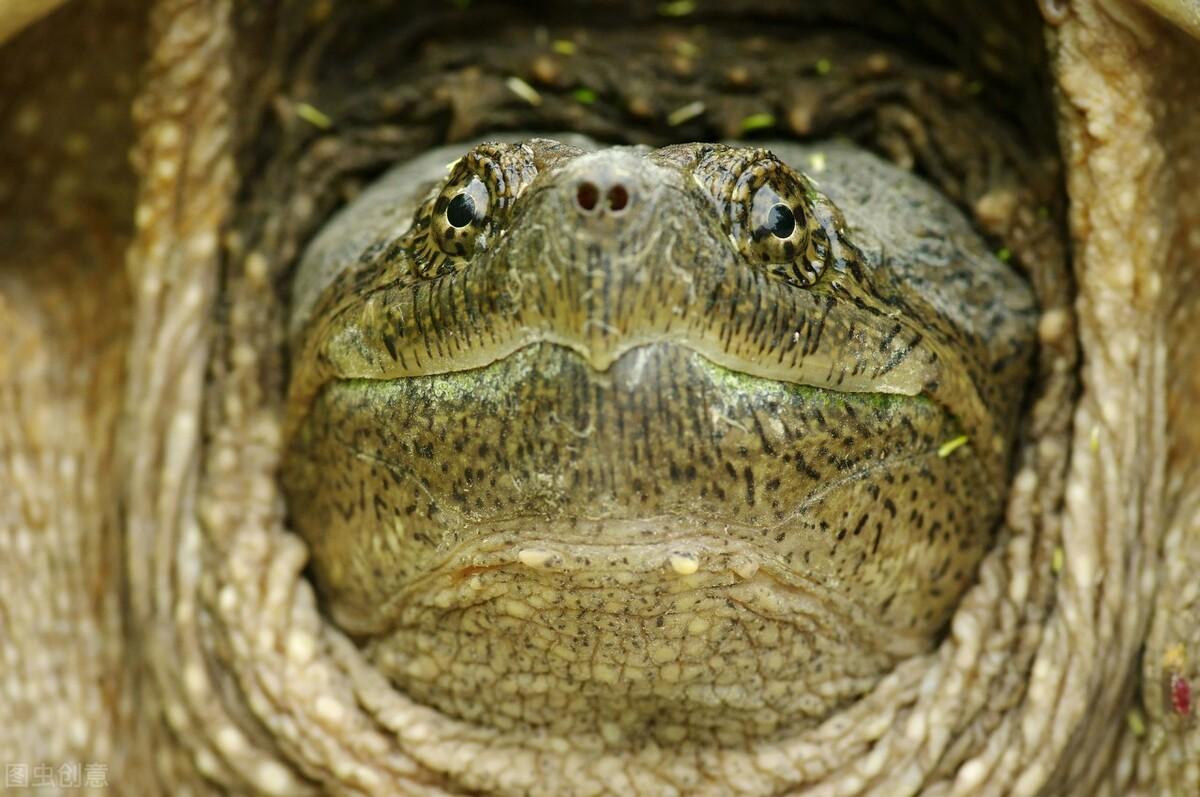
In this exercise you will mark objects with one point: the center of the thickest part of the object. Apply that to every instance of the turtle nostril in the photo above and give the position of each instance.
(618, 198)
(587, 195)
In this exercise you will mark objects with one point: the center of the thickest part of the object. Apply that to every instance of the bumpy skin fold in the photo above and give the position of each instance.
(156, 615)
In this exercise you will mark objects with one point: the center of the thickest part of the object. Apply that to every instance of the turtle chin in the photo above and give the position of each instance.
(663, 631)
(661, 547)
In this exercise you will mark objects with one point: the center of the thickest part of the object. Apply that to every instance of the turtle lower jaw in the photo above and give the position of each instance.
(686, 635)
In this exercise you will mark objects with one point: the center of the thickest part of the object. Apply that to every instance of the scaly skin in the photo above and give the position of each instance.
(652, 471)
(157, 615)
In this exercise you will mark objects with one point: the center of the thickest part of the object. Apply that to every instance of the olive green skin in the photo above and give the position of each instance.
(647, 473)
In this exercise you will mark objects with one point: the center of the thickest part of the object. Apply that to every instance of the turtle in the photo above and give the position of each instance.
(268, 529)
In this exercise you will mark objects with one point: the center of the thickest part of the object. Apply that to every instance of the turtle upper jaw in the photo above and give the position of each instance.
(660, 277)
(572, 267)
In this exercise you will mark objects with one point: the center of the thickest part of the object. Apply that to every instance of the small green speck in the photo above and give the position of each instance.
(313, 116)
(817, 161)
(677, 8)
(585, 96)
(1136, 723)
(563, 46)
(758, 121)
(950, 446)
(1094, 440)
(1057, 559)
(824, 66)
(974, 87)
(1043, 212)
(1004, 254)
(462, 5)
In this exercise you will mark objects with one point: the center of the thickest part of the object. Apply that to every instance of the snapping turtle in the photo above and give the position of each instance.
(184, 463)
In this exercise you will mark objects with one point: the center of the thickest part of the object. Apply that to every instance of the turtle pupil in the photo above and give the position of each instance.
(461, 210)
(780, 221)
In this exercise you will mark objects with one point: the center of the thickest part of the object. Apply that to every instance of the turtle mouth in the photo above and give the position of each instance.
(584, 553)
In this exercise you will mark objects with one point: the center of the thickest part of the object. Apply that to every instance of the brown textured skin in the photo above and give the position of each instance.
(167, 629)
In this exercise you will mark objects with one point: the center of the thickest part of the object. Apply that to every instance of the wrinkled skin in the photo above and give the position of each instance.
(157, 603)
(656, 469)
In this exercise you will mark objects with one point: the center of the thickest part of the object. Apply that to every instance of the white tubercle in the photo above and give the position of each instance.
(684, 563)
(536, 557)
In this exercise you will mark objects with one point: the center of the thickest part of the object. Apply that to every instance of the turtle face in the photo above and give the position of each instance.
(643, 444)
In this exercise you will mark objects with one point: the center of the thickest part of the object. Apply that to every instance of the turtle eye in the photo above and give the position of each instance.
(462, 216)
(461, 210)
(781, 221)
(773, 227)
(771, 222)
(775, 216)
